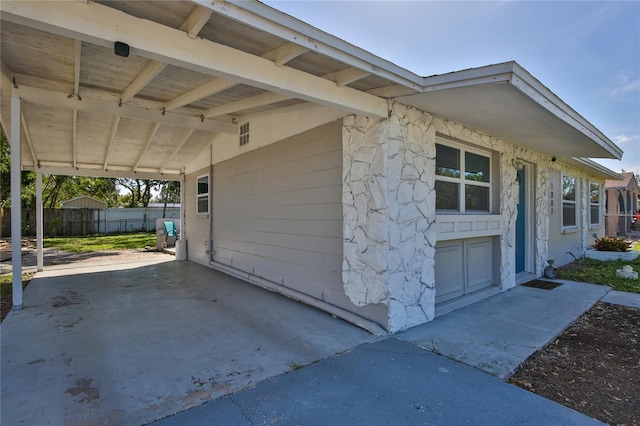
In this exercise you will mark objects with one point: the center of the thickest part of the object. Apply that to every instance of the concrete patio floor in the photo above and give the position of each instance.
(132, 343)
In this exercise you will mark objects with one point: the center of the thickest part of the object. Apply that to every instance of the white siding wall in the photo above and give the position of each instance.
(277, 214)
(197, 225)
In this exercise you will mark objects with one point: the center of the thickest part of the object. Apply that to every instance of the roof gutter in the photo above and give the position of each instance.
(272, 21)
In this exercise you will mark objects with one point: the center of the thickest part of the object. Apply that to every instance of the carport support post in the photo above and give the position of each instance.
(39, 225)
(183, 198)
(16, 213)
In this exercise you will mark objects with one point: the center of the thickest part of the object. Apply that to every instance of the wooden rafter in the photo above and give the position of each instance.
(149, 73)
(27, 135)
(181, 142)
(154, 130)
(196, 21)
(207, 89)
(112, 139)
(100, 25)
(247, 103)
(74, 138)
(285, 53)
(349, 75)
(77, 57)
(279, 56)
(76, 92)
(192, 26)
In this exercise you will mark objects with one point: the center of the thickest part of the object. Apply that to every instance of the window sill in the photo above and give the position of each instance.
(571, 230)
(595, 226)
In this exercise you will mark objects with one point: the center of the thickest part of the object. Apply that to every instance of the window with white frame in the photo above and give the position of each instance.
(463, 180)
(202, 194)
(569, 211)
(594, 204)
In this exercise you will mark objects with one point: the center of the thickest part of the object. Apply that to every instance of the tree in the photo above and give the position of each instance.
(169, 193)
(27, 178)
(55, 188)
(140, 191)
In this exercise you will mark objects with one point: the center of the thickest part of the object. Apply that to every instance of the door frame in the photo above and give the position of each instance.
(529, 217)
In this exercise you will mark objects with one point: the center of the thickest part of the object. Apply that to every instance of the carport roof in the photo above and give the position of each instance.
(198, 69)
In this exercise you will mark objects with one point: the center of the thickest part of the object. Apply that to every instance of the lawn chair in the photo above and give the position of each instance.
(166, 233)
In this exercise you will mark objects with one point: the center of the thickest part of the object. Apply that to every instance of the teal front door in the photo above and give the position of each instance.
(521, 223)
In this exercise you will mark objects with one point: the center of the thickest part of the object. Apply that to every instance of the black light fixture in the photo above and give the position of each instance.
(121, 49)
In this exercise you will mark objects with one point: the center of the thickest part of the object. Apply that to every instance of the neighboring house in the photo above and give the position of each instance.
(309, 166)
(84, 202)
(622, 202)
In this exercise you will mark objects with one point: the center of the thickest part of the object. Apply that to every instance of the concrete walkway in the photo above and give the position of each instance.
(388, 382)
(497, 334)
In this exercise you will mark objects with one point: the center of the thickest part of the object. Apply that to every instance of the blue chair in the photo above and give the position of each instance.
(171, 233)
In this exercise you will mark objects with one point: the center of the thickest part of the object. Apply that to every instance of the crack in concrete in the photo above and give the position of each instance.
(241, 410)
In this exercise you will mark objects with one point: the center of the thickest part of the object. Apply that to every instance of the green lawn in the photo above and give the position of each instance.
(597, 272)
(102, 242)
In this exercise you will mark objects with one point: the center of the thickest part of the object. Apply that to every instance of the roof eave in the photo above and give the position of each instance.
(594, 168)
(275, 22)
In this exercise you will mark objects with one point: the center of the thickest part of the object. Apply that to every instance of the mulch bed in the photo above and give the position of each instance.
(593, 367)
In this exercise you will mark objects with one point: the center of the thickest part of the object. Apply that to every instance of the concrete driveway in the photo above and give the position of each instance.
(131, 343)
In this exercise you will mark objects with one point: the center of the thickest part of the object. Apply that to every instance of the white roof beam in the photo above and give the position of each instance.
(27, 136)
(205, 90)
(101, 25)
(192, 26)
(112, 139)
(279, 56)
(196, 21)
(77, 56)
(247, 103)
(74, 137)
(349, 75)
(96, 170)
(87, 104)
(6, 80)
(149, 73)
(285, 53)
(154, 130)
(182, 141)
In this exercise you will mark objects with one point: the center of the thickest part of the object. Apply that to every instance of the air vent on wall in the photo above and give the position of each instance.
(244, 134)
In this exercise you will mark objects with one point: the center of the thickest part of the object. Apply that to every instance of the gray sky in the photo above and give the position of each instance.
(587, 53)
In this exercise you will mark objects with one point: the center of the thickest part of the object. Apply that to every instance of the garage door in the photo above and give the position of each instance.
(277, 214)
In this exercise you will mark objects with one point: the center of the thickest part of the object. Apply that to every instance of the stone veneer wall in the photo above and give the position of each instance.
(389, 209)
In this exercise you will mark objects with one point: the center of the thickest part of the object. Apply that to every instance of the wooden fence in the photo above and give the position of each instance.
(56, 222)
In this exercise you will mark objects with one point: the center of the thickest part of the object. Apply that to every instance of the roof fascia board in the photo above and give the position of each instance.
(515, 75)
(473, 76)
(593, 167)
(532, 88)
(272, 21)
(102, 25)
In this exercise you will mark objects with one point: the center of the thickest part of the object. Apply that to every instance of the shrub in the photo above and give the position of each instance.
(611, 244)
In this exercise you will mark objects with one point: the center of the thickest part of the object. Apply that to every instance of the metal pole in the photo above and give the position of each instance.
(16, 210)
(39, 224)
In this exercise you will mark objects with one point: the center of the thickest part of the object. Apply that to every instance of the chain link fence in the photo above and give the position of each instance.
(623, 225)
